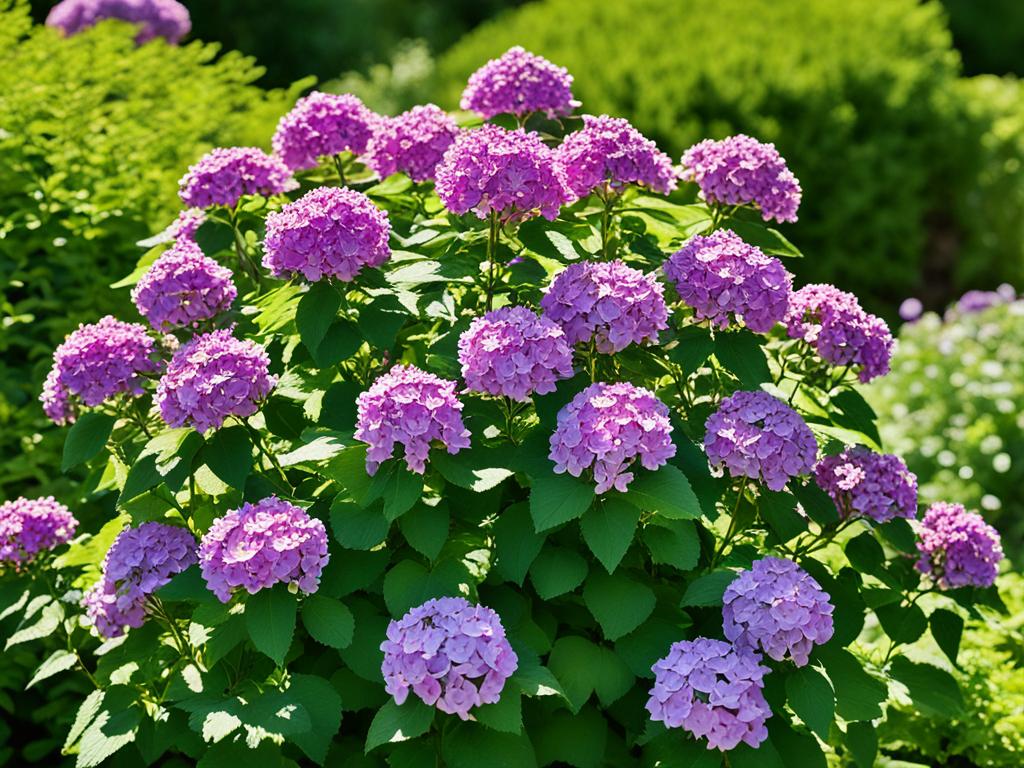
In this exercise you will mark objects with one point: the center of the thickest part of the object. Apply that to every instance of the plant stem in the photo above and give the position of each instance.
(492, 254)
(731, 532)
(339, 166)
(609, 201)
(265, 452)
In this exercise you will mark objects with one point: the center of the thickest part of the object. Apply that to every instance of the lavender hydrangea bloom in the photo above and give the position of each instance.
(183, 288)
(30, 526)
(321, 125)
(263, 544)
(609, 302)
(862, 482)
(713, 690)
(518, 83)
(414, 142)
(607, 427)
(958, 548)
(138, 563)
(412, 408)
(452, 654)
(740, 170)
(226, 174)
(721, 277)
(328, 232)
(155, 18)
(212, 377)
(911, 309)
(756, 435)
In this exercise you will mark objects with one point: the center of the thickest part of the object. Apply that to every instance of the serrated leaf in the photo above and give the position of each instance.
(323, 705)
(356, 527)
(619, 603)
(810, 696)
(398, 487)
(506, 715)
(862, 739)
(394, 723)
(858, 694)
(666, 492)
(57, 662)
(86, 438)
(516, 543)
(707, 590)
(557, 499)
(316, 311)
(673, 542)
(933, 690)
(584, 668)
(270, 620)
(608, 528)
(228, 454)
(328, 621)
(426, 528)
(557, 570)
(740, 352)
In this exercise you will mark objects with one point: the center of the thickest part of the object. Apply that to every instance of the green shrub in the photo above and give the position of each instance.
(990, 35)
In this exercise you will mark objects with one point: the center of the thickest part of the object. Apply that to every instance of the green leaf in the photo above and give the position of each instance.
(902, 623)
(706, 591)
(408, 584)
(316, 311)
(533, 679)
(584, 668)
(557, 570)
(865, 553)
(768, 239)
(947, 629)
(187, 586)
(779, 511)
(469, 746)
(393, 723)
(933, 690)
(557, 499)
(342, 340)
(348, 469)
(57, 662)
(506, 715)
(740, 352)
(899, 534)
(816, 503)
(86, 438)
(426, 528)
(862, 739)
(694, 347)
(649, 642)
(516, 543)
(380, 326)
(399, 488)
(270, 619)
(673, 542)
(87, 711)
(858, 694)
(855, 413)
(811, 697)
(323, 704)
(214, 236)
(356, 527)
(329, 621)
(666, 492)
(619, 604)
(608, 528)
(42, 618)
(562, 738)
(228, 454)
(765, 756)
(108, 733)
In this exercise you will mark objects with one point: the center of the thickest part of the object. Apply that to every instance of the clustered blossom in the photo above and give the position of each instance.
(183, 287)
(186, 225)
(263, 544)
(518, 83)
(321, 125)
(139, 562)
(756, 435)
(607, 427)
(211, 377)
(722, 277)
(958, 548)
(413, 142)
(740, 170)
(513, 352)
(224, 175)
(978, 301)
(30, 526)
(452, 654)
(509, 173)
(412, 408)
(607, 302)
(713, 690)
(864, 483)
(155, 18)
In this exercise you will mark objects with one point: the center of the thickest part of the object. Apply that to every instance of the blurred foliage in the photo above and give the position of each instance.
(989, 34)
(395, 86)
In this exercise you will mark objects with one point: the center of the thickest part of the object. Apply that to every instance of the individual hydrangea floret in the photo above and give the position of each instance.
(911, 309)
(155, 18)
(740, 170)
(262, 544)
(713, 690)
(328, 232)
(513, 352)
(868, 484)
(722, 278)
(183, 288)
(212, 377)
(606, 428)
(958, 548)
(226, 174)
(31, 526)
(607, 302)
(453, 655)
(412, 408)
(756, 435)
(322, 125)
(519, 83)
(413, 143)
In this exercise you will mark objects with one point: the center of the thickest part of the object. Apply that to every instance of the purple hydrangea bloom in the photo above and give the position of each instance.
(452, 654)
(777, 607)
(321, 125)
(412, 408)
(911, 309)
(224, 175)
(607, 302)
(212, 377)
(328, 232)
(138, 563)
(740, 170)
(263, 544)
(713, 690)
(511, 173)
(756, 435)
(519, 83)
(513, 352)
(607, 427)
(721, 278)
(413, 143)
(155, 18)
(30, 526)
(958, 548)
(183, 288)
(864, 483)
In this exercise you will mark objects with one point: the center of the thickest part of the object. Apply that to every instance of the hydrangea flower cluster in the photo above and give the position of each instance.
(510, 173)
(452, 654)
(187, 224)
(412, 408)
(224, 175)
(262, 544)
(958, 548)
(413, 142)
(513, 352)
(518, 83)
(864, 483)
(741, 170)
(607, 302)
(138, 563)
(183, 287)
(713, 690)
(756, 435)
(30, 526)
(722, 277)
(321, 125)
(212, 377)
(607, 427)
(978, 301)
(155, 18)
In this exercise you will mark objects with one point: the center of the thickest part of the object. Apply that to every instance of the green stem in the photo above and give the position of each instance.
(609, 201)
(266, 453)
(339, 166)
(732, 531)
(492, 255)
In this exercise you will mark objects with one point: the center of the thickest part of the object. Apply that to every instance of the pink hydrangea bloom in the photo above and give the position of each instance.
(224, 175)
(958, 548)
(518, 83)
(862, 482)
(155, 18)
(321, 125)
(183, 288)
(413, 143)
(31, 526)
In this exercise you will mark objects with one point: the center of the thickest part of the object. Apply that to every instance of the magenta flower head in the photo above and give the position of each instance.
(607, 302)
(263, 544)
(138, 563)
(713, 690)
(155, 18)
(723, 278)
(328, 232)
(31, 526)
(95, 363)
(510, 173)
(958, 548)
(183, 288)
(606, 428)
(513, 352)
(868, 484)
(412, 408)
(413, 143)
(321, 125)
(519, 83)
(777, 607)
(756, 435)
(452, 654)
(740, 170)
(224, 175)
(211, 377)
